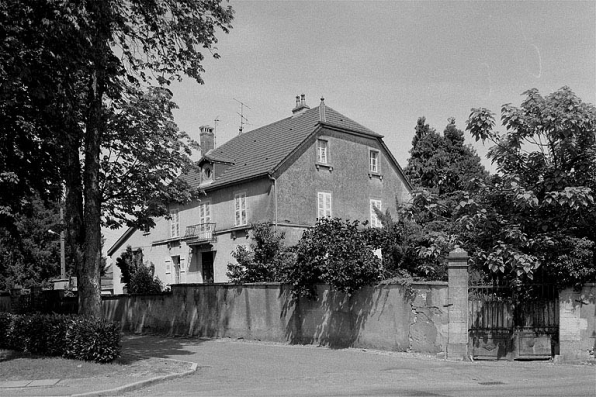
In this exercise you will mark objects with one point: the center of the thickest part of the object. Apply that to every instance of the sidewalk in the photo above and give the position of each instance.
(226, 367)
(142, 371)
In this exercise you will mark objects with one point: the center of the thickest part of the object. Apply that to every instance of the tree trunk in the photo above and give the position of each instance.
(89, 274)
(75, 235)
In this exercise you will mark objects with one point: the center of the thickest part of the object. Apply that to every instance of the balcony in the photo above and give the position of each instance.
(203, 232)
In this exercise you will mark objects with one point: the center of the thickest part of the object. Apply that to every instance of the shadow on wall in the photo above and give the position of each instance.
(334, 319)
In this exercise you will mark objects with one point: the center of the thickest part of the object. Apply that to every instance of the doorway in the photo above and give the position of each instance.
(207, 261)
(176, 263)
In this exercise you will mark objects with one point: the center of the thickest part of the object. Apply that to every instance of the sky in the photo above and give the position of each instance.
(384, 64)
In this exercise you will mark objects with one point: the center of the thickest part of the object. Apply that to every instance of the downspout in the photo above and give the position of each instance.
(274, 184)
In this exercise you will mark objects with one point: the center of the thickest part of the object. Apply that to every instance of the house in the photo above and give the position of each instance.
(315, 163)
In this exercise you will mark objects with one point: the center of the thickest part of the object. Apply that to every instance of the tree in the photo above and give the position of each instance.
(136, 275)
(444, 172)
(99, 56)
(336, 252)
(442, 164)
(265, 261)
(29, 253)
(538, 217)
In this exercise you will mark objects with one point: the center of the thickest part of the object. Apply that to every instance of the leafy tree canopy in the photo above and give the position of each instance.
(75, 79)
(29, 253)
(442, 163)
(539, 215)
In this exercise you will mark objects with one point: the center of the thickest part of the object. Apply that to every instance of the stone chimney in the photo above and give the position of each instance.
(207, 139)
(301, 105)
(322, 115)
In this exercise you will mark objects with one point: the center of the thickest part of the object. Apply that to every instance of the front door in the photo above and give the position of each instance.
(207, 261)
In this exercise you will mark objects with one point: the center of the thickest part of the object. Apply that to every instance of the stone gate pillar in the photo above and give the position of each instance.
(457, 271)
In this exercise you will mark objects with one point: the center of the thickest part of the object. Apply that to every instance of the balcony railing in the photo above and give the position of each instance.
(202, 231)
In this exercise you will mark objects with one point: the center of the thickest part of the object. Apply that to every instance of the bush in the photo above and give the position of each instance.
(265, 261)
(5, 324)
(144, 282)
(61, 335)
(92, 340)
(334, 252)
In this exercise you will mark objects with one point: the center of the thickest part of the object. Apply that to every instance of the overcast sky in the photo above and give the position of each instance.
(386, 63)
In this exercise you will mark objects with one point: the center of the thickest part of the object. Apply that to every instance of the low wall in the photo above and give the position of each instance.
(577, 326)
(388, 317)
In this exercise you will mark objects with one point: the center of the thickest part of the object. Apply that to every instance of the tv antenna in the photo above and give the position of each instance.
(215, 131)
(243, 120)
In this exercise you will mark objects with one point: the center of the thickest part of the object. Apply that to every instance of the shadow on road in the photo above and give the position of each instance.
(157, 346)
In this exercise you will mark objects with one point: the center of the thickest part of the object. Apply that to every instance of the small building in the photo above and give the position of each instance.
(315, 163)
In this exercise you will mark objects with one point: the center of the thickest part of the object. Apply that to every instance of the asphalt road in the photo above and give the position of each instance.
(242, 368)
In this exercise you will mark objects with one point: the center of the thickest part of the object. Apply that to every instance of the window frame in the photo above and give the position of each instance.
(374, 219)
(174, 223)
(326, 152)
(377, 161)
(324, 208)
(205, 214)
(237, 196)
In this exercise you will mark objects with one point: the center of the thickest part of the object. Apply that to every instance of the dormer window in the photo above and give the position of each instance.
(207, 172)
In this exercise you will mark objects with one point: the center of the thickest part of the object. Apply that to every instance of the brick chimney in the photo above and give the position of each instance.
(301, 105)
(207, 139)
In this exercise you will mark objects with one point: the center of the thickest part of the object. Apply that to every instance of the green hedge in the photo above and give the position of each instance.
(68, 336)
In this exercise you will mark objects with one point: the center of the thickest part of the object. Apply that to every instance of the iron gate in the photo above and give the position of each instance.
(513, 323)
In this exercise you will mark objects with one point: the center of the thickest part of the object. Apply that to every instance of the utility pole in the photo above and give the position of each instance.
(62, 246)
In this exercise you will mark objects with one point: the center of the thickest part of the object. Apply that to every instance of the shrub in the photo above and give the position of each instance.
(61, 335)
(335, 252)
(144, 282)
(92, 340)
(266, 260)
(5, 324)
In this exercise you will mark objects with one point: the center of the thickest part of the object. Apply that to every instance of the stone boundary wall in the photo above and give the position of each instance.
(577, 324)
(386, 317)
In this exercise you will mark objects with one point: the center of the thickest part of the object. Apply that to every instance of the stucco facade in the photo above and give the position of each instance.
(288, 174)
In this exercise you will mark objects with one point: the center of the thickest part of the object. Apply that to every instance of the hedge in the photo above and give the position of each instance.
(68, 336)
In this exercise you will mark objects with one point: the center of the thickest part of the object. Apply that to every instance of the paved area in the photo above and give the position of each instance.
(242, 368)
(238, 368)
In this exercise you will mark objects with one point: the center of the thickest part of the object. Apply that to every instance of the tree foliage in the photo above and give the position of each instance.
(75, 79)
(442, 163)
(538, 217)
(265, 260)
(335, 252)
(136, 275)
(29, 254)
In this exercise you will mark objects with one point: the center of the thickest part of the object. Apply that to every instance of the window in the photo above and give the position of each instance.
(373, 164)
(240, 209)
(322, 151)
(374, 220)
(174, 223)
(205, 216)
(324, 205)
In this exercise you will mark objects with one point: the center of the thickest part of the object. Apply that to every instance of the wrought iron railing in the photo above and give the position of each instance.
(202, 231)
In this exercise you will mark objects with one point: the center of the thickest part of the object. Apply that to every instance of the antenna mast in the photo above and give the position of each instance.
(243, 120)
(215, 131)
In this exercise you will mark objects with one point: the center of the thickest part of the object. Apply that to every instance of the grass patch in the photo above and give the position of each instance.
(23, 366)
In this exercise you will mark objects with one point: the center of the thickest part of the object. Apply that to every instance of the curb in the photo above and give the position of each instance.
(140, 384)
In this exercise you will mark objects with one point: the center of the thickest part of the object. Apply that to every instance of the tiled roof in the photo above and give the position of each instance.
(262, 150)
